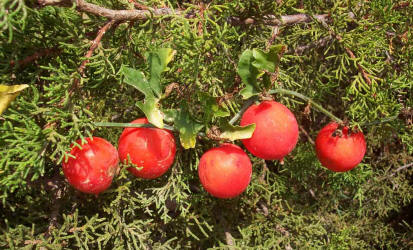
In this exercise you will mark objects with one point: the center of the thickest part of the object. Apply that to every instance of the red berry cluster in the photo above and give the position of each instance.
(224, 171)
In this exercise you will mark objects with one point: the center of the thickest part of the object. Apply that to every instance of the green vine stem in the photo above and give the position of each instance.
(129, 125)
(135, 125)
(305, 98)
(244, 107)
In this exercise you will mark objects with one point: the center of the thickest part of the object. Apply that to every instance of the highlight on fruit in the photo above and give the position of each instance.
(340, 149)
(93, 166)
(151, 150)
(225, 171)
(276, 131)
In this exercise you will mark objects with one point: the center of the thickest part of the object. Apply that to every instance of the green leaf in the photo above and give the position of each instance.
(267, 60)
(157, 62)
(152, 89)
(248, 91)
(169, 115)
(210, 107)
(277, 51)
(253, 64)
(8, 94)
(150, 106)
(186, 126)
(248, 74)
(137, 79)
(221, 112)
(237, 132)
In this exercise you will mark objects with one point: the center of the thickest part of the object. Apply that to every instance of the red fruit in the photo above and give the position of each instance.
(276, 131)
(152, 150)
(93, 168)
(338, 150)
(225, 171)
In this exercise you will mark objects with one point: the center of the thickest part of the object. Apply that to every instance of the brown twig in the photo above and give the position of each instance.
(274, 33)
(272, 20)
(202, 9)
(310, 140)
(89, 53)
(401, 168)
(360, 68)
(144, 14)
(349, 52)
(317, 44)
(95, 44)
(118, 15)
(34, 57)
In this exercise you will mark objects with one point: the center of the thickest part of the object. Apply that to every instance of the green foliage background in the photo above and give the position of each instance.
(298, 205)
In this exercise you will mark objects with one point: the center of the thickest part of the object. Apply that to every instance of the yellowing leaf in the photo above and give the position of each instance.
(8, 94)
(237, 132)
(188, 128)
(152, 112)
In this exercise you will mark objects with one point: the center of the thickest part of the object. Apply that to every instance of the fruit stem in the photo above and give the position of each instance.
(129, 125)
(305, 98)
(244, 107)
(136, 125)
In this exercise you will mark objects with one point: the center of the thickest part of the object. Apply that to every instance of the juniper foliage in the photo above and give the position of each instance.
(298, 205)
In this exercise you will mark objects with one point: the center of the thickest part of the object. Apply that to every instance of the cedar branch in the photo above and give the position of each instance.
(95, 44)
(118, 15)
(272, 20)
(131, 15)
(359, 67)
(89, 53)
(348, 50)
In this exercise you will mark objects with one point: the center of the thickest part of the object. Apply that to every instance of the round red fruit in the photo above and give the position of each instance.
(94, 165)
(225, 171)
(338, 149)
(276, 131)
(152, 150)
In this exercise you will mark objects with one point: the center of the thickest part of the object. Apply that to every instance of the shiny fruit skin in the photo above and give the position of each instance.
(225, 171)
(93, 168)
(276, 131)
(340, 151)
(152, 150)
